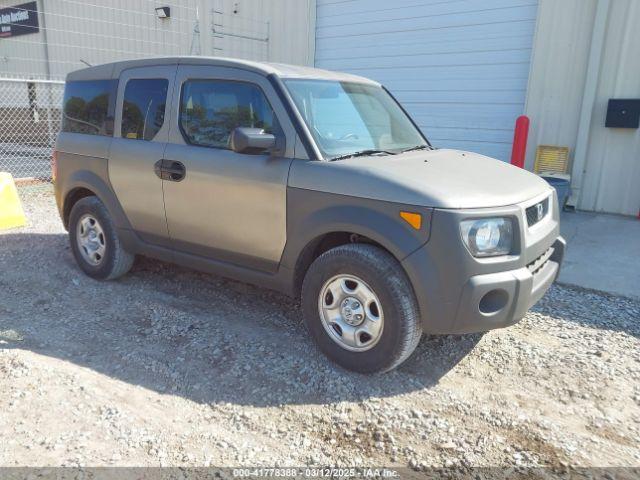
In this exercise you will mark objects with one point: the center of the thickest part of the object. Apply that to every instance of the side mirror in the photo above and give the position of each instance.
(251, 140)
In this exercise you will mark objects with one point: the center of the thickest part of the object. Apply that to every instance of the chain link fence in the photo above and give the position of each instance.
(30, 117)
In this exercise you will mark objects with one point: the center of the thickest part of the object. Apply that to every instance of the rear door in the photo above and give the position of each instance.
(140, 137)
(226, 205)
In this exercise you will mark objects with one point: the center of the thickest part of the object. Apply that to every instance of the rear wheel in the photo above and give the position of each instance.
(95, 243)
(360, 308)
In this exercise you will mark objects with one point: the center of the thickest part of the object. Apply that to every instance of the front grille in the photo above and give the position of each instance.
(535, 266)
(537, 212)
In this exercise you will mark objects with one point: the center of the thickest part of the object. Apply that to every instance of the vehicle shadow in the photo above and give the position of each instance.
(185, 333)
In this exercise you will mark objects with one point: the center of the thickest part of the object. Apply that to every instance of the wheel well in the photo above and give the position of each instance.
(322, 244)
(71, 199)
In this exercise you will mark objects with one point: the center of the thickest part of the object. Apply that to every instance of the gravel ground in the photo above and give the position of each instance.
(170, 367)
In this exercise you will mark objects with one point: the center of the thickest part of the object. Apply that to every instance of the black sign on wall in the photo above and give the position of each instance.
(19, 20)
(623, 113)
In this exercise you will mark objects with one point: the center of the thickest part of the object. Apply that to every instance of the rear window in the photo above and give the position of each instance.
(87, 107)
(143, 108)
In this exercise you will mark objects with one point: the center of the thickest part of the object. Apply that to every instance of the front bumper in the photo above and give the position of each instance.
(458, 293)
(501, 299)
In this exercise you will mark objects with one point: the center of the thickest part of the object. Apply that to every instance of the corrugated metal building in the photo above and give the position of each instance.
(460, 68)
(42, 40)
(585, 53)
(74, 32)
(466, 69)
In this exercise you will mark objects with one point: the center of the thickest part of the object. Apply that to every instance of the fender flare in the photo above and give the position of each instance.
(391, 232)
(94, 183)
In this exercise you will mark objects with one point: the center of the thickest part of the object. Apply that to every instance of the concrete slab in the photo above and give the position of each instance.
(603, 252)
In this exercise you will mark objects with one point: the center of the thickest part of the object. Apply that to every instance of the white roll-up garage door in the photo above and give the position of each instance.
(459, 67)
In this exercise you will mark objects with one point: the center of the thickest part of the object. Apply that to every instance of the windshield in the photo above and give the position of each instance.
(346, 118)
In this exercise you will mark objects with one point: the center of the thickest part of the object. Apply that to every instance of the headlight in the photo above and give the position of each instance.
(487, 237)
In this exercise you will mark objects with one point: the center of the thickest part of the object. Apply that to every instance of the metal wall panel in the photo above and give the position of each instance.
(16, 54)
(268, 30)
(606, 176)
(460, 68)
(612, 171)
(558, 69)
(74, 31)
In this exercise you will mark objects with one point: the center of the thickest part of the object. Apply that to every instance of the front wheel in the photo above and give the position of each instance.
(360, 308)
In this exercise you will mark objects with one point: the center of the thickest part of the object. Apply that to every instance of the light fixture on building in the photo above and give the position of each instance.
(163, 12)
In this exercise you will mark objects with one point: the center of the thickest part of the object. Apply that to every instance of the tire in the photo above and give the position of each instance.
(109, 260)
(368, 269)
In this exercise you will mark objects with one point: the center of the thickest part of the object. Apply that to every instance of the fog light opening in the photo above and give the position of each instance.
(493, 302)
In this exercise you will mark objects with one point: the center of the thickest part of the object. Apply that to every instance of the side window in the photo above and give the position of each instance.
(86, 107)
(143, 108)
(211, 109)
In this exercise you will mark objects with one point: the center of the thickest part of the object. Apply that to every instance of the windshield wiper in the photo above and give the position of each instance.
(361, 153)
(417, 147)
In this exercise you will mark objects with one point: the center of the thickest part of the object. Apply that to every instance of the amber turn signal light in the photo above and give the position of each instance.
(413, 219)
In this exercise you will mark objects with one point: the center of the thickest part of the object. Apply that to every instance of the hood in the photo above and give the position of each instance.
(436, 178)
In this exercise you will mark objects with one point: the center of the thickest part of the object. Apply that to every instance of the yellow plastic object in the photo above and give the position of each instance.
(11, 213)
(413, 219)
(551, 159)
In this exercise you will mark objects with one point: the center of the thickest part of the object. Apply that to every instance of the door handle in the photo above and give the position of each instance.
(157, 168)
(170, 170)
(175, 171)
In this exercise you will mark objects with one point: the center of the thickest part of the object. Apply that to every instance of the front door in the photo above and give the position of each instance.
(225, 205)
(140, 137)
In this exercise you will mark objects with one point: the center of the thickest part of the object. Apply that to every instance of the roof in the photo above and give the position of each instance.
(113, 70)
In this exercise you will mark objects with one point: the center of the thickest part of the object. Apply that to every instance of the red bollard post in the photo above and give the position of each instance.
(520, 135)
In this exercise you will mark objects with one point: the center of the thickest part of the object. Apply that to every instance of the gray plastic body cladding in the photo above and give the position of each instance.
(312, 214)
(449, 281)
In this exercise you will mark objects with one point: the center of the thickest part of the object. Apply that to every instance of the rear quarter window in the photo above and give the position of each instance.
(87, 107)
(143, 108)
